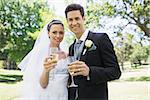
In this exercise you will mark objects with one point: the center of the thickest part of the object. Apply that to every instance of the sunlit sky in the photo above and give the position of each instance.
(60, 5)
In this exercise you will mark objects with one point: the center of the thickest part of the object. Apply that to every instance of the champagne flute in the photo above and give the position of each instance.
(53, 51)
(70, 60)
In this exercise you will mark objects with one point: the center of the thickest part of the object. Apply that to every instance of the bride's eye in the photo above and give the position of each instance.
(54, 32)
(61, 33)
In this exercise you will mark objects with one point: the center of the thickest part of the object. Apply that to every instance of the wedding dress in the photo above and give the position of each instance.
(32, 67)
(57, 87)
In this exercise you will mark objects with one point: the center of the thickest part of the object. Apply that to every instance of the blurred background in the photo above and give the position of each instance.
(127, 22)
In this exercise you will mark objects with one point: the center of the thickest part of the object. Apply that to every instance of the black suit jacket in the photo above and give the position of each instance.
(103, 66)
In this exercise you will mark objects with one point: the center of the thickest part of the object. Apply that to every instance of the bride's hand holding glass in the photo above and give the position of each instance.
(50, 63)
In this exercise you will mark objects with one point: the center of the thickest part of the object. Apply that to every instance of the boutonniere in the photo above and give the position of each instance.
(89, 45)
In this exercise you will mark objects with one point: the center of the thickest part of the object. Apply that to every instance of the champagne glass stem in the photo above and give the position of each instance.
(72, 59)
(72, 83)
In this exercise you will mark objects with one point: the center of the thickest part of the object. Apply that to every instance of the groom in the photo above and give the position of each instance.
(97, 60)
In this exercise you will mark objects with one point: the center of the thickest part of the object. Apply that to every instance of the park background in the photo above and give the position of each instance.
(127, 22)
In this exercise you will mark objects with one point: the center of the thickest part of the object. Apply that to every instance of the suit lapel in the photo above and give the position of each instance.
(72, 49)
(83, 57)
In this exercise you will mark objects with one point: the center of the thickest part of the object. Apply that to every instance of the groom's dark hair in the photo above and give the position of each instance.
(73, 7)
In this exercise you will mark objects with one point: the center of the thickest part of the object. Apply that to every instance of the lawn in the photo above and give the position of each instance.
(133, 85)
(118, 90)
(10, 84)
(10, 76)
(9, 91)
(129, 90)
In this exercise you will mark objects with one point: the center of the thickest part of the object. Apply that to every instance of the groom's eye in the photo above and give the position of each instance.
(70, 19)
(77, 18)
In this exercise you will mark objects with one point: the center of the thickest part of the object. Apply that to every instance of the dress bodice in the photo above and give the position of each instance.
(58, 79)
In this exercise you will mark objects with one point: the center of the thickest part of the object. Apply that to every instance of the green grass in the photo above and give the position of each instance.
(10, 76)
(132, 87)
(127, 66)
(117, 91)
(1, 64)
(142, 78)
(10, 72)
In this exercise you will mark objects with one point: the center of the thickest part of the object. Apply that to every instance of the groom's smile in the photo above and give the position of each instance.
(76, 22)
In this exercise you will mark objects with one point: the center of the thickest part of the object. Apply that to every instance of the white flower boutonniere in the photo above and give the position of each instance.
(89, 45)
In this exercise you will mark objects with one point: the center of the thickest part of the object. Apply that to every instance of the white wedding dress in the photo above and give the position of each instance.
(57, 87)
(32, 68)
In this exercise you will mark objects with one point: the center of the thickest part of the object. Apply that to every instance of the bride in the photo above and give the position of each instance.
(45, 78)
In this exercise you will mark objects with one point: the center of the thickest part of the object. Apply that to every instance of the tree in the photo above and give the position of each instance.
(19, 20)
(139, 54)
(134, 12)
(123, 48)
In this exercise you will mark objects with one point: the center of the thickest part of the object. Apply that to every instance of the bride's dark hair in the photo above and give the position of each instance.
(54, 22)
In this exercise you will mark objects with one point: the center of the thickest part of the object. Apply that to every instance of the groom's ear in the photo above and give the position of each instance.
(84, 18)
(67, 20)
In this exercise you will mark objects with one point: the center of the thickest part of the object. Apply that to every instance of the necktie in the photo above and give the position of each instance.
(77, 49)
(77, 53)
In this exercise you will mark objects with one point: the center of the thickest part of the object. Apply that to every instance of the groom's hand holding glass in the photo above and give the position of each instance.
(78, 68)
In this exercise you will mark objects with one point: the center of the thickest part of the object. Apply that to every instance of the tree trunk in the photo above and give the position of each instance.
(122, 66)
(8, 64)
(145, 29)
(139, 61)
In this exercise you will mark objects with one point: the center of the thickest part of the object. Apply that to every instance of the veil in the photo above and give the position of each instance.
(32, 65)
(41, 41)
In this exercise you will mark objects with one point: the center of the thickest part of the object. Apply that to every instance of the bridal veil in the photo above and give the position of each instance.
(32, 66)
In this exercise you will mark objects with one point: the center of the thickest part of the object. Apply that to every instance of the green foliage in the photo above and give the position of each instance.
(46, 15)
(134, 12)
(123, 47)
(142, 78)
(139, 53)
(18, 19)
(127, 50)
(95, 11)
(19, 26)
